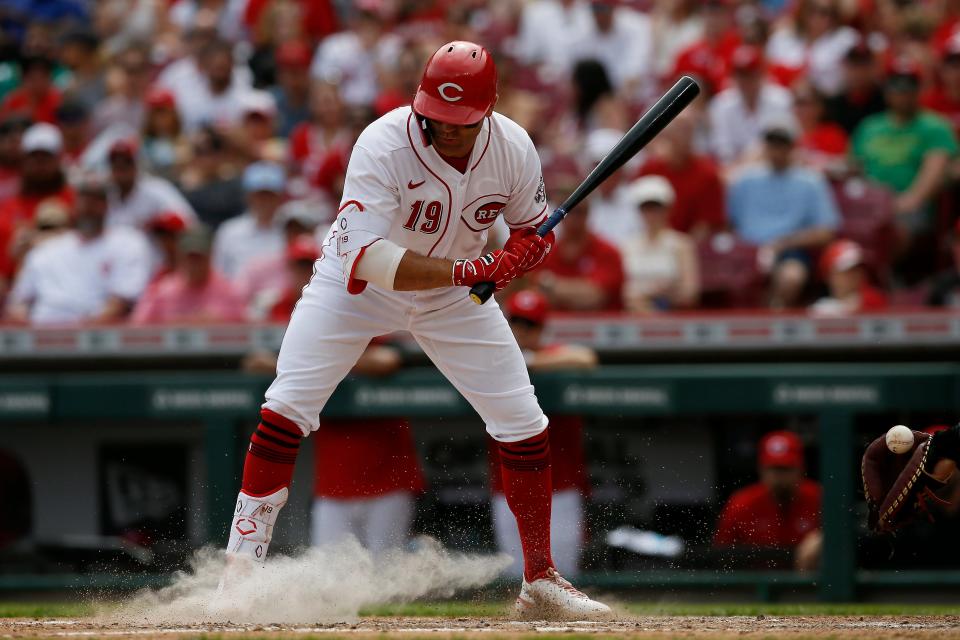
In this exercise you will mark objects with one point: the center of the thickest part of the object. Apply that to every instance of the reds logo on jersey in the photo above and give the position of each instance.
(487, 213)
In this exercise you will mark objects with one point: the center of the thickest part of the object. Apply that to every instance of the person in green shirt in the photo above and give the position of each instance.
(908, 149)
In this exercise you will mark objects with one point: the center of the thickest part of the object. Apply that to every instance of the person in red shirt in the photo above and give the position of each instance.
(527, 312)
(42, 178)
(944, 96)
(781, 511)
(709, 58)
(821, 145)
(36, 97)
(700, 205)
(585, 272)
(165, 229)
(367, 474)
(842, 266)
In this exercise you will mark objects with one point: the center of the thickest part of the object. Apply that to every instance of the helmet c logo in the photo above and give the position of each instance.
(442, 90)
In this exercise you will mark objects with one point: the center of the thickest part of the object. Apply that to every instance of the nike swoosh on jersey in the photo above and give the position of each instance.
(414, 185)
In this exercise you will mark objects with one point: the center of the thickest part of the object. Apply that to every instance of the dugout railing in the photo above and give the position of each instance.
(834, 393)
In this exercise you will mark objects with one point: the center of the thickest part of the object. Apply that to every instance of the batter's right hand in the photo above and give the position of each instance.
(498, 267)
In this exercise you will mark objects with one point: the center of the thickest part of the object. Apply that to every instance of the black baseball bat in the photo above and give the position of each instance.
(646, 129)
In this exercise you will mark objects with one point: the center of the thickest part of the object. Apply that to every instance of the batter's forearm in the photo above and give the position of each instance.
(420, 272)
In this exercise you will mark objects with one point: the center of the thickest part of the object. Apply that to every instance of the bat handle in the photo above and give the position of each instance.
(482, 291)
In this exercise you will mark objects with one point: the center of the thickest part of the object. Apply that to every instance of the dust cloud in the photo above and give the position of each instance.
(324, 585)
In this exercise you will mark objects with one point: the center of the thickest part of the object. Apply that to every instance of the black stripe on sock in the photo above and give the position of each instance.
(266, 423)
(260, 433)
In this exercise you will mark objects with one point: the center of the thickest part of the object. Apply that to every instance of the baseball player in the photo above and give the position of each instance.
(423, 186)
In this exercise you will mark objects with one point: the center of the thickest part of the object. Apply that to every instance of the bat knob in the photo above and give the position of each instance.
(481, 292)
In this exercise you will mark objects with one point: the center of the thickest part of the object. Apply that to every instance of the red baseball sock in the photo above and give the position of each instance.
(271, 455)
(527, 485)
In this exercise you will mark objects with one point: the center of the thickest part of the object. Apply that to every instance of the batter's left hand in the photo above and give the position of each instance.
(530, 249)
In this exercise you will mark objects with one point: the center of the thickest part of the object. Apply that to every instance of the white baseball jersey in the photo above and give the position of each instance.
(398, 188)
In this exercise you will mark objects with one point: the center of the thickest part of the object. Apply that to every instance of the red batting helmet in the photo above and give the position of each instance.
(459, 84)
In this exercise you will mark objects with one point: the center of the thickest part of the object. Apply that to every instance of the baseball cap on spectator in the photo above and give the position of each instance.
(529, 305)
(293, 54)
(303, 247)
(195, 240)
(160, 98)
(781, 449)
(167, 220)
(264, 176)
(903, 74)
(781, 128)
(746, 58)
(840, 255)
(258, 103)
(42, 137)
(651, 189)
(308, 214)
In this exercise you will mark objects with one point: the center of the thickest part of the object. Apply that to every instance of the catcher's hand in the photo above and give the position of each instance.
(899, 487)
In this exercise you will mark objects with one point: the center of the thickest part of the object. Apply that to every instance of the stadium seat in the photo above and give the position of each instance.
(867, 218)
(729, 276)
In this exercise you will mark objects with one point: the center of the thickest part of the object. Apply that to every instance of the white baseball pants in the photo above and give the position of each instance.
(380, 523)
(471, 344)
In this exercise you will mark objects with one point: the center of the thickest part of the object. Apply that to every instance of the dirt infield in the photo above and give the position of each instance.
(633, 627)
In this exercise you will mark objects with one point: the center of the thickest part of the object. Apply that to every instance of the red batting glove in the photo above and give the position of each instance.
(530, 249)
(498, 267)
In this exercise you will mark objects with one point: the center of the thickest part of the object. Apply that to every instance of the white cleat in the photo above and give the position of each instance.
(552, 597)
(250, 533)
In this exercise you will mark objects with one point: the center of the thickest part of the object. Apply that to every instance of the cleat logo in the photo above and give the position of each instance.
(442, 90)
(245, 526)
(239, 506)
(259, 551)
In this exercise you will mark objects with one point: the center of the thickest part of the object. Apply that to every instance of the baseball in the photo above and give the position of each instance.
(899, 439)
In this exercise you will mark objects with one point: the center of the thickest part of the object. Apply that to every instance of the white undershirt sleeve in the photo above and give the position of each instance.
(379, 262)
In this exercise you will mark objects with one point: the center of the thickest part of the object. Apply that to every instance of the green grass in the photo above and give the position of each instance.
(789, 609)
(45, 609)
(469, 609)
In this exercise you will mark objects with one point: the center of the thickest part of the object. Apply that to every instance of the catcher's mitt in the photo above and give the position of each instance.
(901, 486)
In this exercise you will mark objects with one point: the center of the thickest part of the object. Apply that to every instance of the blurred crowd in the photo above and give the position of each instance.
(177, 160)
